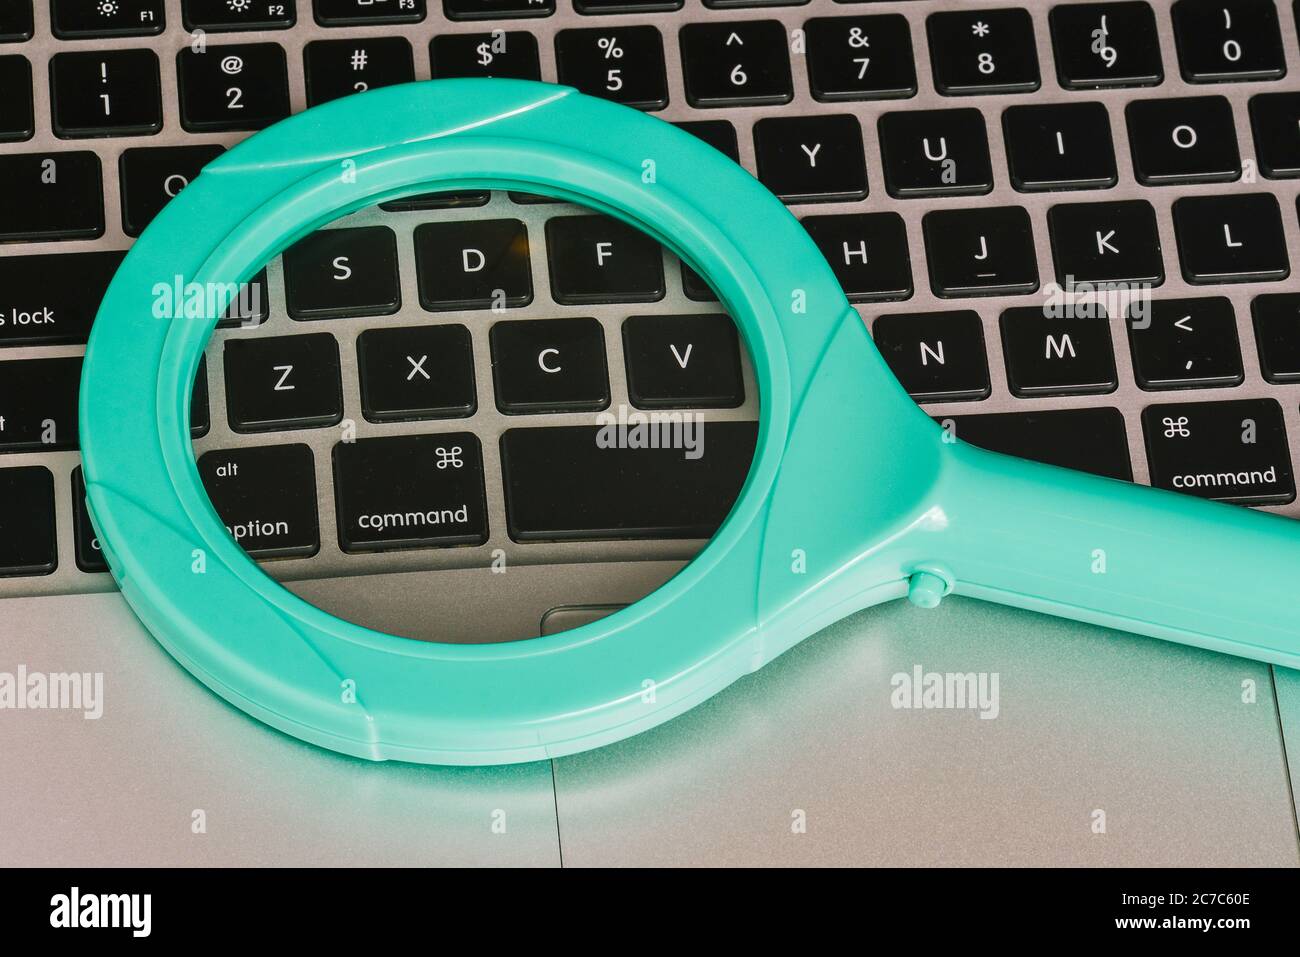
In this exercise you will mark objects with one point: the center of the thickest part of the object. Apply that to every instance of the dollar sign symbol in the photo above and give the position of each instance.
(484, 54)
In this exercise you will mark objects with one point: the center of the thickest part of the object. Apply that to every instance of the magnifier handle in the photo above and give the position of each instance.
(1099, 550)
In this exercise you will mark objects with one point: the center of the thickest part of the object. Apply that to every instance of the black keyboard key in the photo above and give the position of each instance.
(348, 13)
(28, 534)
(740, 4)
(860, 58)
(1182, 343)
(983, 51)
(1057, 355)
(1059, 146)
(48, 196)
(266, 498)
(494, 9)
(719, 134)
(1231, 238)
(84, 19)
(456, 199)
(1277, 335)
(625, 6)
(335, 68)
(736, 64)
(1275, 122)
(683, 362)
(980, 252)
(113, 93)
(867, 251)
(15, 20)
(1105, 243)
(804, 159)
(695, 287)
(511, 54)
(89, 554)
(1105, 45)
(17, 120)
(549, 365)
(416, 372)
(336, 273)
(250, 307)
(597, 259)
(283, 382)
(200, 413)
(235, 87)
(936, 356)
(935, 153)
(1186, 140)
(476, 265)
(1230, 451)
(1221, 40)
(410, 491)
(623, 64)
(152, 176)
(38, 404)
(227, 15)
(52, 299)
(595, 482)
(1087, 440)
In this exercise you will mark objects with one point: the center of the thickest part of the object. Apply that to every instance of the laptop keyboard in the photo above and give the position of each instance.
(965, 168)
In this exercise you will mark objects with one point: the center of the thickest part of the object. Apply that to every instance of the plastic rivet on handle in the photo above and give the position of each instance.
(925, 590)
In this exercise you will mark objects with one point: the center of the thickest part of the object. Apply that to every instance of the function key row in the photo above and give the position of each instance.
(80, 19)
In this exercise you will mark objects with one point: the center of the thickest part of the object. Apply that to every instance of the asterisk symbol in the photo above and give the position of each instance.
(980, 28)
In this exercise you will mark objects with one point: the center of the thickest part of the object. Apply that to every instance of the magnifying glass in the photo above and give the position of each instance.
(853, 497)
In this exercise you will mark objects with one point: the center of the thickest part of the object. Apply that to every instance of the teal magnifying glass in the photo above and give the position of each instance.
(853, 497)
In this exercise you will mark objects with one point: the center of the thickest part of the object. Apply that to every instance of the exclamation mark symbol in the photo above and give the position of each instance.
(103, 78)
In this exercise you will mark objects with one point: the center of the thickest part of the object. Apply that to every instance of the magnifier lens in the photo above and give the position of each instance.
(475, 416)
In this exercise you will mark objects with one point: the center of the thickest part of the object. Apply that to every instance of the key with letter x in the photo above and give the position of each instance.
(420, 372)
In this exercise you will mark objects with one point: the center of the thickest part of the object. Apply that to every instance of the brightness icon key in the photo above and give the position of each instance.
(338, 13)
(89, 19)
(229, 15)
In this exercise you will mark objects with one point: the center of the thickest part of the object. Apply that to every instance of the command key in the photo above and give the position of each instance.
(1229, 451)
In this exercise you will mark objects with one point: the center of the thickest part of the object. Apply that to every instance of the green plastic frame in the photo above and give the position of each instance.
(854, 497)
